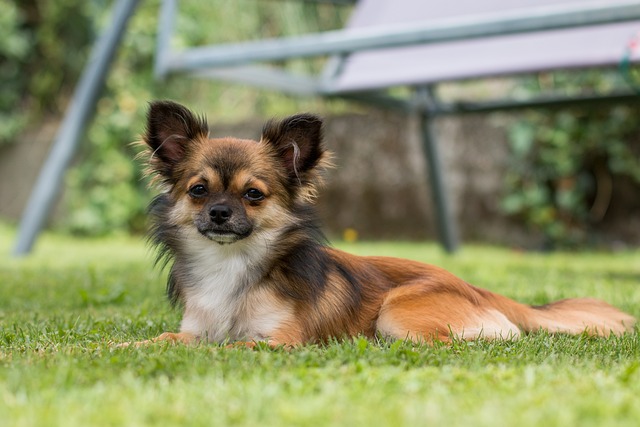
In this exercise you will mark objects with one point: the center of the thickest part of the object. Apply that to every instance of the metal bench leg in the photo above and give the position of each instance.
(78, 114)
(446, 224)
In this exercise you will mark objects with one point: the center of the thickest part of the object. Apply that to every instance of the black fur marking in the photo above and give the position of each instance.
(308, 224)
(306, 262)
(346, 274)
(355, 295)
(165, 238)
(307, 266)
(173, 289)
(354, 282)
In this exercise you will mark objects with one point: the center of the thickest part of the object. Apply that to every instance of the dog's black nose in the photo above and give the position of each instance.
(220, 214)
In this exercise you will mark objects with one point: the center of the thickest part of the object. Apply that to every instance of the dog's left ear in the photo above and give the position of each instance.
(298, 142)
(171, 128)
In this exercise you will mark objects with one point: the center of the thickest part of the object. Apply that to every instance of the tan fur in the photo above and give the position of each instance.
(263, 275)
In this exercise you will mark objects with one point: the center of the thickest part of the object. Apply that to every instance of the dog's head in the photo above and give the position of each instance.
(229, 188)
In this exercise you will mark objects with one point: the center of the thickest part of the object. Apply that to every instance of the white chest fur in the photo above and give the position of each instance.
(223, 299)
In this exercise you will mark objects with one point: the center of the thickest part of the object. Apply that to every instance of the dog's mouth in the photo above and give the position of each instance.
(224, 237)
(226, 233)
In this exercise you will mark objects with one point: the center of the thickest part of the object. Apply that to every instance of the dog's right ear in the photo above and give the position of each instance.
(170, 129)
(298, 143)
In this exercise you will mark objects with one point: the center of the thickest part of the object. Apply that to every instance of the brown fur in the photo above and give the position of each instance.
(235, 218)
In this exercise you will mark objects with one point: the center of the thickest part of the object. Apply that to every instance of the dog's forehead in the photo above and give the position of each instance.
(228, 157)
(228, 153)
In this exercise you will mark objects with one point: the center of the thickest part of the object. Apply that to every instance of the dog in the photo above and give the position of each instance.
(235, 220)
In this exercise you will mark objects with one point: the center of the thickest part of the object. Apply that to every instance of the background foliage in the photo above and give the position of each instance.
(42, 55)
(564, 164)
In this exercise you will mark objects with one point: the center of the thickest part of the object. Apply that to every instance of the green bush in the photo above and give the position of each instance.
(563, 163)
(41, 55)
(14, 47)
(44, 46)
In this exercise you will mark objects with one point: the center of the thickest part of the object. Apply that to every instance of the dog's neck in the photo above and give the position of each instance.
(232, 266)
(219, 280)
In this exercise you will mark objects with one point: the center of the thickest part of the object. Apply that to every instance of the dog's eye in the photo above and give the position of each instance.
(253, 195)
(198, 190)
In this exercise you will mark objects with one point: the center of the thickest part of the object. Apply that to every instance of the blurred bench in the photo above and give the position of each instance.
(422, 43)
(419, 44)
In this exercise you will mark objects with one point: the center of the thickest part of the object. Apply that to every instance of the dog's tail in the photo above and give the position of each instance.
(571, 316)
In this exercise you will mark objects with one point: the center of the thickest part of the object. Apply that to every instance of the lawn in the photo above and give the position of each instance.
(61, 309)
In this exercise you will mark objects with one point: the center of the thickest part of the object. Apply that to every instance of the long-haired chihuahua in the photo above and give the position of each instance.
(235, 219)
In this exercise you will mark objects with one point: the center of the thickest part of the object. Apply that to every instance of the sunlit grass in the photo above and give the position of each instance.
(63, 307)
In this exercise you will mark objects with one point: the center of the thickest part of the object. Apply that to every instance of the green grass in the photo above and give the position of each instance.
(61, 308)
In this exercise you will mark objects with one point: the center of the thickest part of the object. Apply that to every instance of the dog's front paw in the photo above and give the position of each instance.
(171, 337)
(175, 338)
(257, 345)
(131, 344)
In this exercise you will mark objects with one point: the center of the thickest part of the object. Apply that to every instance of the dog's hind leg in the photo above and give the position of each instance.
(421, 312)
